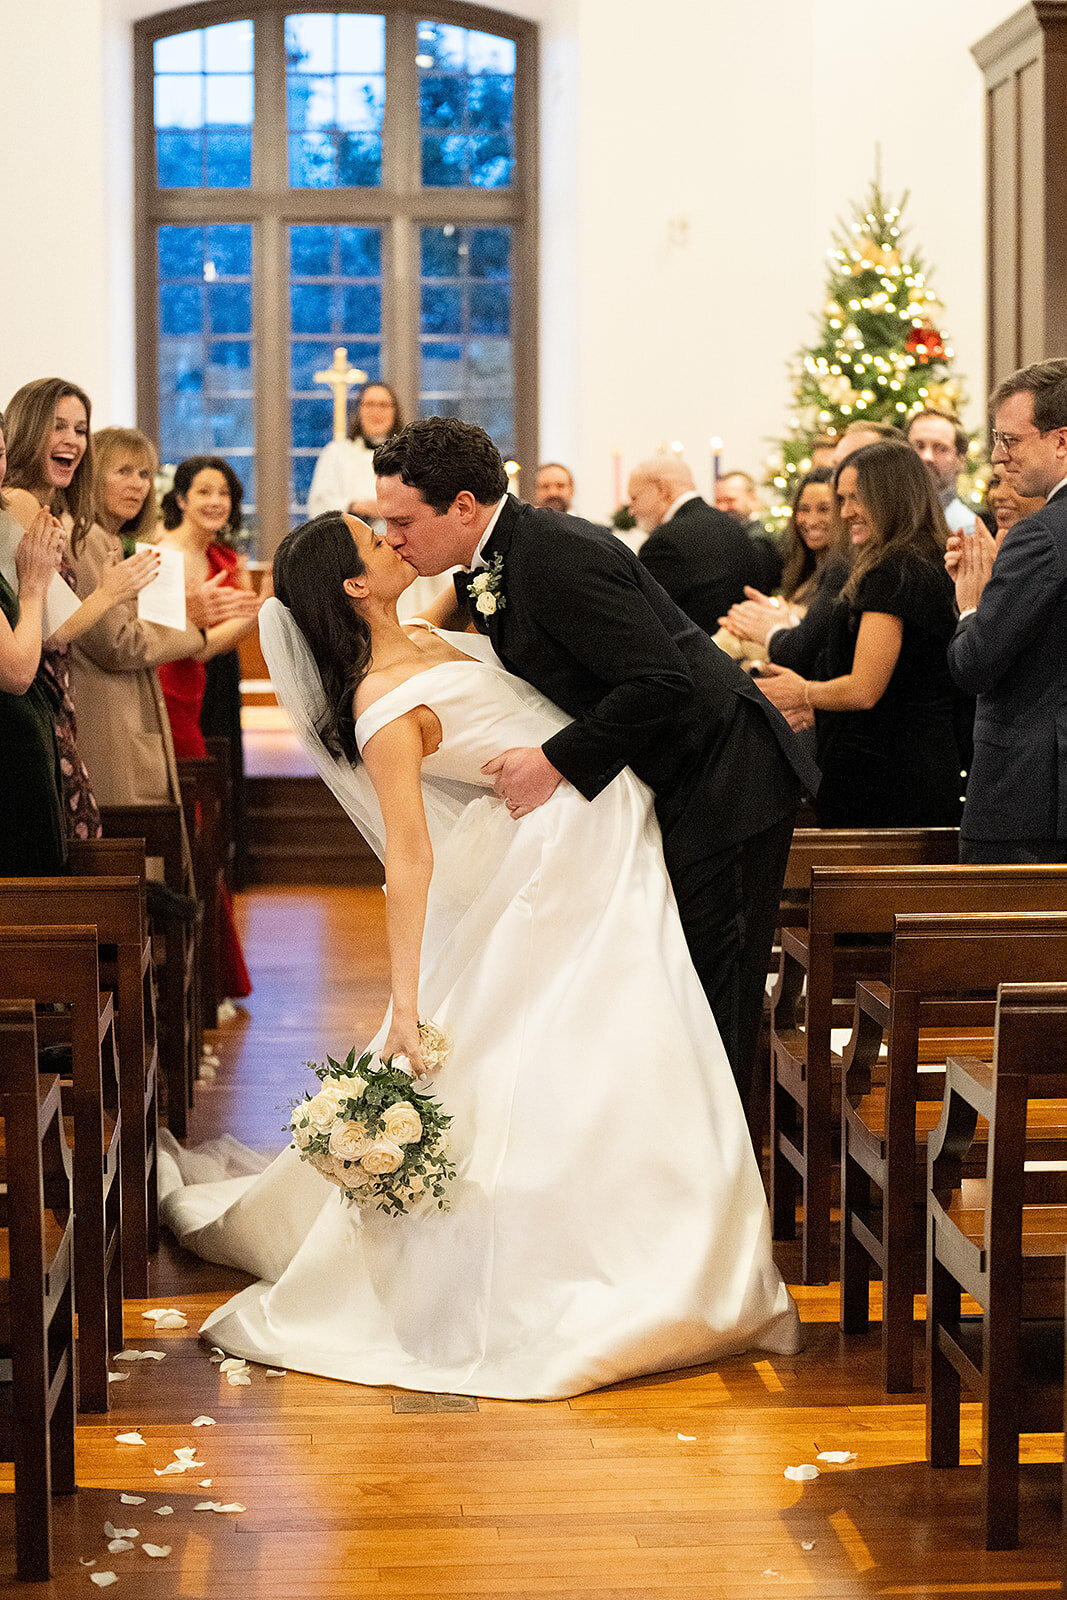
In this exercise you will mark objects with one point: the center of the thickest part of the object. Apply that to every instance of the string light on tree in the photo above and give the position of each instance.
(880, 351)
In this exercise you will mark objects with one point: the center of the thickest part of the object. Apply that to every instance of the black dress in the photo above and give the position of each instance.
(897, 765)
(32, 836)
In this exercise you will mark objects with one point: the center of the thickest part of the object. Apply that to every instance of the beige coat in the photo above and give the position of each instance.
(123, 729)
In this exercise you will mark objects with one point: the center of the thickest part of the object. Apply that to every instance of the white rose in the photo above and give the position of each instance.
(435, 1044)
(349, 1140)
(382, 1157)
(321, 1112)
(486, 604)
(354, 1177)
(301, 1134)
(402, 1123)
(328, 1168)
(351, 1086)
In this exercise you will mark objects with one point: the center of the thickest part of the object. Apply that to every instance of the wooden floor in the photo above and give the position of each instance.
(349, 1493)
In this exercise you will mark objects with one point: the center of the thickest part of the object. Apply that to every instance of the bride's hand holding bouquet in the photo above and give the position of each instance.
(371, 1131)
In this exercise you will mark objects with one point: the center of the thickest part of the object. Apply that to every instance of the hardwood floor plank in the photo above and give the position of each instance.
(594, 1498)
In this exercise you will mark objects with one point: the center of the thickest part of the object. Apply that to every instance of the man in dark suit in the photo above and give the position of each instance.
(570, 609)
(702, 557)
(1010, 648)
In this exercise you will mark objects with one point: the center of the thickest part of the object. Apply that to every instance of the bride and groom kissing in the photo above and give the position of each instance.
(608, 1216)
(576, 614)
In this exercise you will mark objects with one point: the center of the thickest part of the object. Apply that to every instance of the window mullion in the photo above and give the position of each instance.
(271, 312)
(270, 146)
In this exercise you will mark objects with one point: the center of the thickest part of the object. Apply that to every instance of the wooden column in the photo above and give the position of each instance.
(1024, 62)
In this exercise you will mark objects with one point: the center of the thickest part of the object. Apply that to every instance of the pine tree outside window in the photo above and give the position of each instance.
(362, 175)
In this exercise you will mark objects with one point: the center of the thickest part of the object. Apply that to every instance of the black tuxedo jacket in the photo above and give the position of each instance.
(703, 559)
(1012, 654)
(584, 622)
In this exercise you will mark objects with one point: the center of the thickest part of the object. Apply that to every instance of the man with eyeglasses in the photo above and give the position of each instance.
(1010, 647)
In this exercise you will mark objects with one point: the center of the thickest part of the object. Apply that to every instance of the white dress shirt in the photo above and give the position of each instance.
(478, 558)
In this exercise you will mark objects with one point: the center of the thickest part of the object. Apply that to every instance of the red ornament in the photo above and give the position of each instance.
(926, 343)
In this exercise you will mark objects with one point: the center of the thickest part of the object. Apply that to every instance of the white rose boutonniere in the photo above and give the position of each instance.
(487, 588)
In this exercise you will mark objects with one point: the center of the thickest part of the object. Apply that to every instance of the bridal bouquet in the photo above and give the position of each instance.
(363, 1131)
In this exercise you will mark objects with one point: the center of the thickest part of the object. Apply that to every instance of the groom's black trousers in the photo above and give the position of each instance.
(729, 904)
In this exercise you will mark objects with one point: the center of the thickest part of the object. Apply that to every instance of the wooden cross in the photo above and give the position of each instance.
(340, 377)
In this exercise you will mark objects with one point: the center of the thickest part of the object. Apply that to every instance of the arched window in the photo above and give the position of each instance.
(360, 176)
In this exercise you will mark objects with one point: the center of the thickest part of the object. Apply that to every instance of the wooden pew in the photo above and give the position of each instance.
(942, 988)
(847, 939)
(219, 750)
(175, 948)
(36, 1285)
(202, 801)
(1000, 1239)
(859, 847)
(59, 966)
(116, 906)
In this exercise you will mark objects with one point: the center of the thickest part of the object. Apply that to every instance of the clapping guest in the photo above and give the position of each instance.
(799, 644)
(886, 708)
(32, 837)
(204, 505)
(343, 479)
(50, 466)
(808, 537)
(123, 728)
(1007, 504)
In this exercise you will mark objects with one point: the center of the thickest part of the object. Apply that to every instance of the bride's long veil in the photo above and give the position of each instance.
(299, 689)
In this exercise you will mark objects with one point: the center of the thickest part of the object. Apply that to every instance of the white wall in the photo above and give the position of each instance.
(694, 157)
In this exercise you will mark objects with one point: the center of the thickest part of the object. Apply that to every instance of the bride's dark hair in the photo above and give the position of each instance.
(310, 567)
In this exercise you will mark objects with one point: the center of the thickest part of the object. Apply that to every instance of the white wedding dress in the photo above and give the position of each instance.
(607, 1218)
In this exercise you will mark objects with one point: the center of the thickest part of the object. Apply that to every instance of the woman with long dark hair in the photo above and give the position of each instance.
(808, 542)
(584, 1244)
(203, 506)
(886, 709)
(50, 467)
(343, 479)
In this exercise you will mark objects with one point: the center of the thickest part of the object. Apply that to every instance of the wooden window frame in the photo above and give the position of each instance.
(400, 205)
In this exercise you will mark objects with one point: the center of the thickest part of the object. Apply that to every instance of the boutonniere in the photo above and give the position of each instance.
(486, 588)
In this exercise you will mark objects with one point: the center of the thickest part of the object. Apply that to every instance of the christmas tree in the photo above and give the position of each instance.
(881, 354)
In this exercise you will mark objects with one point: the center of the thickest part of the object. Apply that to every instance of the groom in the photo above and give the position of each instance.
(568, 607)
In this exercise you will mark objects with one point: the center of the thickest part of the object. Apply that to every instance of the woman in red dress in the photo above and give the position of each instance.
(204, 504)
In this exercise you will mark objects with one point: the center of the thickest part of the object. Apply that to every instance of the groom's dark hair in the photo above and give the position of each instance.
(440, 456)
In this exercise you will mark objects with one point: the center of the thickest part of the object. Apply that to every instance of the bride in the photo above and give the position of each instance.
(608, 1217)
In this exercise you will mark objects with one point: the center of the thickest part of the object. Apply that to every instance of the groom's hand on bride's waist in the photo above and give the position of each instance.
(524, 778)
